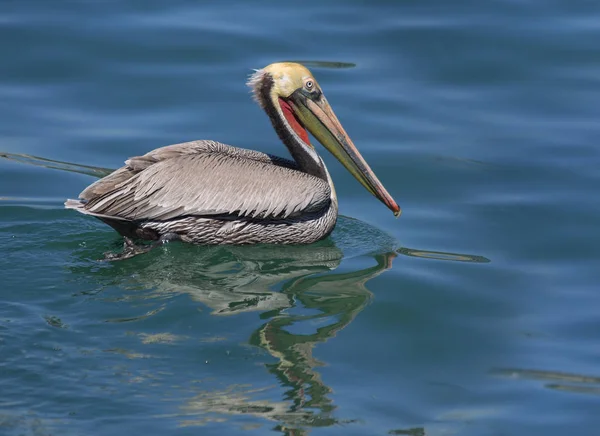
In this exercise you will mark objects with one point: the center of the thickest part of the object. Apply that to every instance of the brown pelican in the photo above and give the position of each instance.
(206, 192)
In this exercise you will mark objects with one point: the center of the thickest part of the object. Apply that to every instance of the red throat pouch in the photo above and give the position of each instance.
(289, 115)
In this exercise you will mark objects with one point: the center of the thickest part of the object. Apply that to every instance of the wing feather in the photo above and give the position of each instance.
(205, 182)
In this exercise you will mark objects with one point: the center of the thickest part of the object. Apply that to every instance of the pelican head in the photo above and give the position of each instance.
(293, 99)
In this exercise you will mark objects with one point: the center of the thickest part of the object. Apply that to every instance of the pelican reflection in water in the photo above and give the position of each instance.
(303, 300)
(205, 192)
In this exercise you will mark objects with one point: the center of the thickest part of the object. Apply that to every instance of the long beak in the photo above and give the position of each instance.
(319, 119)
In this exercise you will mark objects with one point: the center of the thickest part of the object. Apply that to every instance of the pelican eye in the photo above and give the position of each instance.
(309, 85)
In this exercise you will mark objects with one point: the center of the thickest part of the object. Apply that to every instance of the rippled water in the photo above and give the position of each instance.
(475, 313)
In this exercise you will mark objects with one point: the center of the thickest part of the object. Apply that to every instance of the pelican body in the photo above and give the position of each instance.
(205, 192)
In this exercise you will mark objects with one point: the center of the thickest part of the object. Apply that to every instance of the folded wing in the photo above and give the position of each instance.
(192, 180)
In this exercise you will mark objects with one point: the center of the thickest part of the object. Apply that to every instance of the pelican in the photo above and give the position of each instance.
(205, 192)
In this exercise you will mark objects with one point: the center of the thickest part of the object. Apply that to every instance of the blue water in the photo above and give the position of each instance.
(474, 313)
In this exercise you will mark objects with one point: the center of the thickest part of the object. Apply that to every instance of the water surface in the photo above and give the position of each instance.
(475, 313)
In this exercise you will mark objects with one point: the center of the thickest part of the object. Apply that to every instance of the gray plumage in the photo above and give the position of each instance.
(206, 192)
